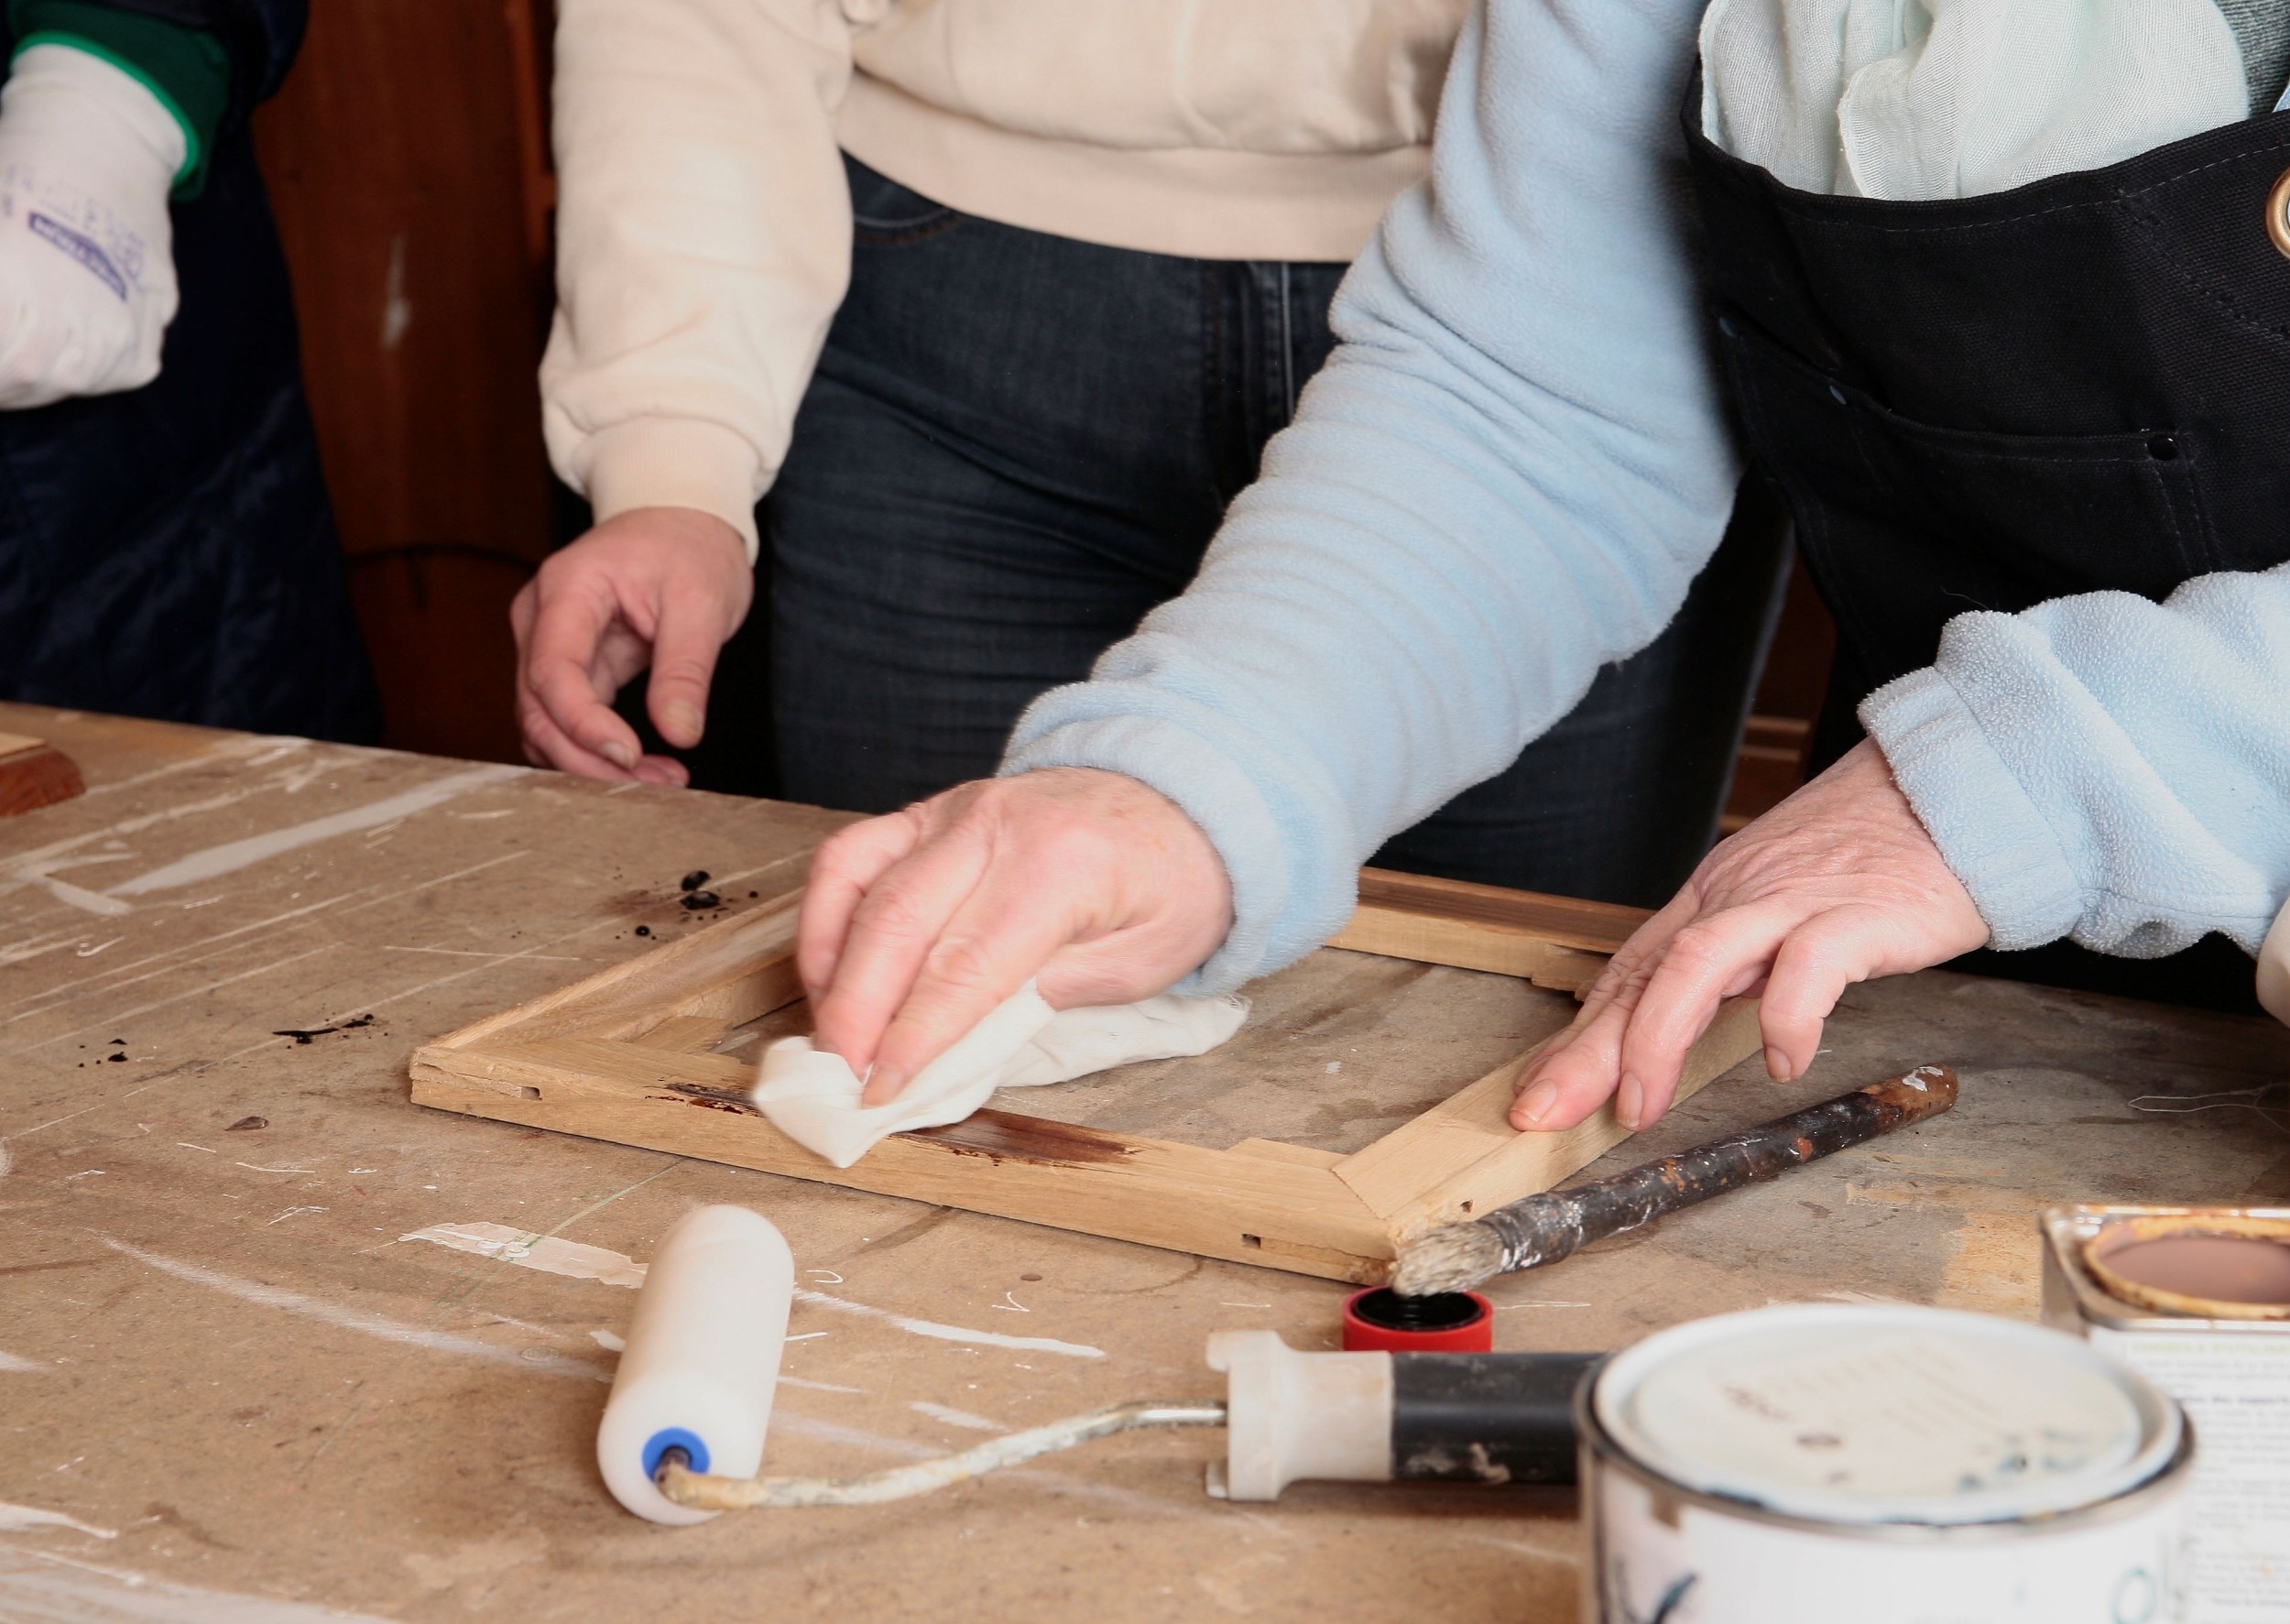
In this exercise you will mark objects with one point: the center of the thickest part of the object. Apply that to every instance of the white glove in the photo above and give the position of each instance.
(88, 157)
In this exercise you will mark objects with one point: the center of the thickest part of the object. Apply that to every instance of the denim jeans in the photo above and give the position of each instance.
(1016, 444)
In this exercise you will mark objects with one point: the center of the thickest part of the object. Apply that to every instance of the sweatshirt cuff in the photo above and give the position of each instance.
(1214, 794)
(185, 69)
(1989, 833)
(674, 462)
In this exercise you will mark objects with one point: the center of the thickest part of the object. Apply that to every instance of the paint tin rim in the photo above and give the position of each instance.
(2068, 1226)
(2102, 1245)
(1601, 1453)
(2162, 1431)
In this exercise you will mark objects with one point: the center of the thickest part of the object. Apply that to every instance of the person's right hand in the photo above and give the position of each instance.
(659, 586)
(915, 925)
(87, 270)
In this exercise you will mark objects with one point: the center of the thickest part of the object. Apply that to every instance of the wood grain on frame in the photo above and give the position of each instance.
(1556, 942)
(1462, 1157)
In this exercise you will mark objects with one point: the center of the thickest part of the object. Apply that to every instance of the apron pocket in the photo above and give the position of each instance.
(2066, 513)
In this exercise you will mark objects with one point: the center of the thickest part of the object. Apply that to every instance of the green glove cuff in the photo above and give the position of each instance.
(187, 68)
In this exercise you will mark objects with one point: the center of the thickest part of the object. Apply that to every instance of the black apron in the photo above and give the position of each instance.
(1981, 403)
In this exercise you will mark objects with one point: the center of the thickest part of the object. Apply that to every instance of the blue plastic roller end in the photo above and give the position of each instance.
(668, 1438)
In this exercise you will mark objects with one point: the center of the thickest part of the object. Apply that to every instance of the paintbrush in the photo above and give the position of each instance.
(1543, 1228)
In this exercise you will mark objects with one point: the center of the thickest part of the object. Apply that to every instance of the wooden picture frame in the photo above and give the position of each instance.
(624, 1056)
(33, 774)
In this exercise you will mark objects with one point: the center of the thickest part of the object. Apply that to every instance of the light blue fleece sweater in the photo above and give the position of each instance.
(1506, 476)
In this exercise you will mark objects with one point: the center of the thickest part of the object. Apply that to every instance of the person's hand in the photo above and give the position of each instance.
(87, 271)
(1836, 884)
(659, 586)
(915, 925)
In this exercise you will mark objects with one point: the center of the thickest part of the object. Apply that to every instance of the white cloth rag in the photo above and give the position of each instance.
(1926, 99)
(813, 1098)
(87, 269)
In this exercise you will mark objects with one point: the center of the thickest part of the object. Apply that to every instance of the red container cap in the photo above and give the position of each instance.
(1379, 1320)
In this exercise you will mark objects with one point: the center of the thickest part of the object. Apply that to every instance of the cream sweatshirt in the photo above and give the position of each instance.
(703, 226)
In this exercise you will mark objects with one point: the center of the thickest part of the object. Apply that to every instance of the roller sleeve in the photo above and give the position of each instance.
(702, 1360)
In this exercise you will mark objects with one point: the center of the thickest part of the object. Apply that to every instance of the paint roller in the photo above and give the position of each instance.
(682, 1437)
(701, 1362)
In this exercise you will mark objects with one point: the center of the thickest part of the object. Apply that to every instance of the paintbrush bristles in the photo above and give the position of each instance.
(1454, 1257)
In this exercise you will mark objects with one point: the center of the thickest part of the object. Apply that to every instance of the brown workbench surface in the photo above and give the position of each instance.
(230, 1386)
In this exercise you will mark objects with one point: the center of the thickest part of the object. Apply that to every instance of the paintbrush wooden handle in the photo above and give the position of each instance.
(1543, 1228)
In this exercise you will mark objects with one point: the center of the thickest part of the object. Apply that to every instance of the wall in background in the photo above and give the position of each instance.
(408, 162)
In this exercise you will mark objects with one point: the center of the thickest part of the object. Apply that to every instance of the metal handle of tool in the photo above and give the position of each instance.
(709, 1493)
(1543, 1228)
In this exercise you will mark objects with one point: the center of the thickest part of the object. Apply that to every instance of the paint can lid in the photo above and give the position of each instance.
(1881, 1413)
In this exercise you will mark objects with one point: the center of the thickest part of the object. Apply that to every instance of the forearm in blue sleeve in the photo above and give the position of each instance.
(2108, 769)
(1505, 477)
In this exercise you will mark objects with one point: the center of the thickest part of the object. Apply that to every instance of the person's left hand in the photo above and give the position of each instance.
(1836, 884)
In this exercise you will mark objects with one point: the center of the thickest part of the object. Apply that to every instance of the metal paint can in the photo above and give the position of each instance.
(2227, 1364)
(1885, 1464)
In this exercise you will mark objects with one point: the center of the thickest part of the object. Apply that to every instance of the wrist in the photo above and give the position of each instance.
(672, 462)
(185, 71)
(1270, 926)
(1987, 831)
(689, 534)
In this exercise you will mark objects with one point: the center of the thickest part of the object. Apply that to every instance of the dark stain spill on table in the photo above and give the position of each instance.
(301, 1034)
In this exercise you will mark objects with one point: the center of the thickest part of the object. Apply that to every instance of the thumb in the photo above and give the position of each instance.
(684, 663)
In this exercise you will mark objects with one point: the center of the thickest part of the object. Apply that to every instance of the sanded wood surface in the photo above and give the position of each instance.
(238, 1383)
(1463, 1156)
(1338, 1050)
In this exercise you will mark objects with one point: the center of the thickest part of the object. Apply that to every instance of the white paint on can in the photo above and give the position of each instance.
(1892, 1464)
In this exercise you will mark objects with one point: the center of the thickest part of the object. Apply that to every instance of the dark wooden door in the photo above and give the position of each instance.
(408, 161)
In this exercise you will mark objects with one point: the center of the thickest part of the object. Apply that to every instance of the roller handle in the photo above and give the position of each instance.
(1543, 1228)
(1485, 1418)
